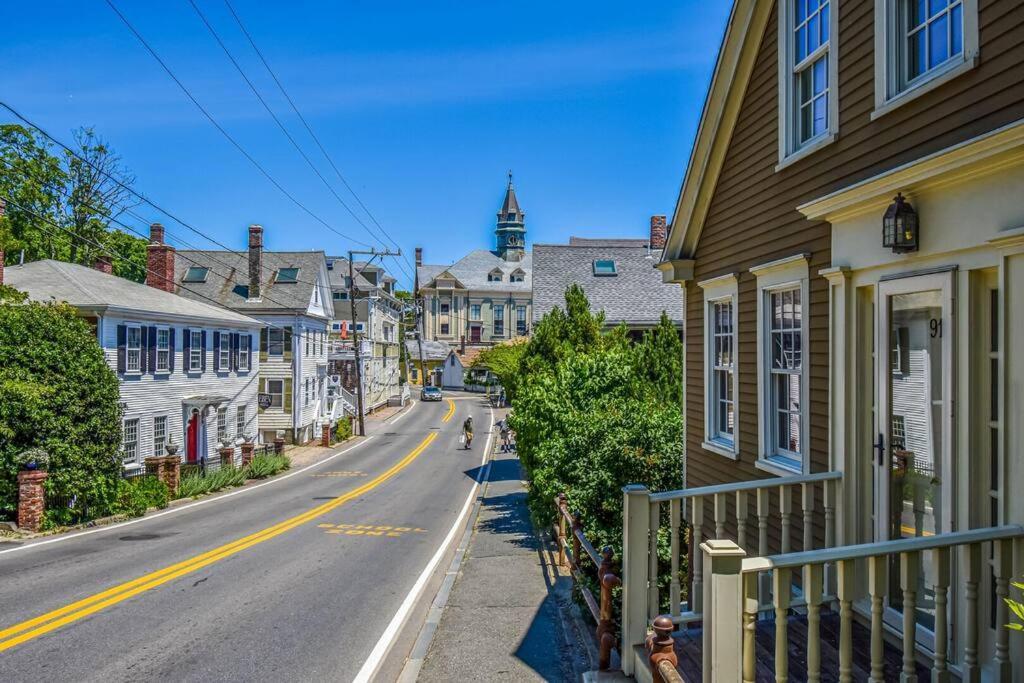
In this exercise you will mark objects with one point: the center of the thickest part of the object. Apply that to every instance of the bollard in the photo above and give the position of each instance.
(661, 647)
(605, 627)
(31, 499)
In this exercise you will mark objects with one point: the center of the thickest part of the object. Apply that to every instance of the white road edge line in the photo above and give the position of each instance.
(373, 662)
(139, 520)
(396, 418)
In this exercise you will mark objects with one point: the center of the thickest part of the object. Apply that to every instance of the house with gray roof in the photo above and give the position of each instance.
(187, 369)
(485, 297)
(290, 293)
(617, 275)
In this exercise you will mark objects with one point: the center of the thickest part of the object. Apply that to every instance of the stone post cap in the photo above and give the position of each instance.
(722, 547)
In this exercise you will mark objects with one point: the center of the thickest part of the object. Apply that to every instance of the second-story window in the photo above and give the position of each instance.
(196, 350)
(521, 320)
(275, 341)
(807, 90)
(163, 350)
(499, 321)
(445, 308)
(723, 420)
(133, 349)
(244, 348)
(474, 312)
(224, 352)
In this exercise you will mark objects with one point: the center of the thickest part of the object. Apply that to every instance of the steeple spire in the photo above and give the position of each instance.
(511, 227)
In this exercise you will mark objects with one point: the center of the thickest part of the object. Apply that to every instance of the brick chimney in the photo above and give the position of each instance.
(104, 265)
(419, 256)
(659, 231)
(159, 260)
(255, 260)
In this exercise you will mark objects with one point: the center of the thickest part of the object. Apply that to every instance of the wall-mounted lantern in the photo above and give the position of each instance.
(899, 226)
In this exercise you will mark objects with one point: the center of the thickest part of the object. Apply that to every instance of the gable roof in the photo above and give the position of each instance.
(339, 273)
(472, 270)
(91, 289)
(636, 295)
(228, 280)
(432, 350)
(736, 56)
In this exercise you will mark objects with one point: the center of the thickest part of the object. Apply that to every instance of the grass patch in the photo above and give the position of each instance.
(261, 467)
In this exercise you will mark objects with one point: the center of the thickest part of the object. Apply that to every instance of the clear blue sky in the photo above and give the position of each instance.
(424, 106)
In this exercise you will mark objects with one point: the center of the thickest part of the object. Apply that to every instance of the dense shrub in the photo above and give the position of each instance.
(263, 466)
(135, 496)
(343, 430)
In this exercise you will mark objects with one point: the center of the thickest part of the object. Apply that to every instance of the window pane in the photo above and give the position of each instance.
(820, 116)
(824, 23)
(820, 69)
(801, 10)
(956, 21)
(917, 62)
(813, 35)
(936, 6)
(938, 43)
(915, 13)
(801, 44)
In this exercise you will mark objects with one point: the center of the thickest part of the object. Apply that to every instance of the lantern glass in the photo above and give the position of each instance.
(899, 227)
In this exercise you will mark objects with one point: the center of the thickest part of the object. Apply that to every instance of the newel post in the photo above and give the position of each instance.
(605, 626)
(723, 610)
(636, 521)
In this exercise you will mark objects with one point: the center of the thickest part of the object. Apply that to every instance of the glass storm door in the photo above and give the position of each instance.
(912, 460)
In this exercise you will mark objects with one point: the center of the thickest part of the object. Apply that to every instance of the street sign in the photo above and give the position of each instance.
(263, 401)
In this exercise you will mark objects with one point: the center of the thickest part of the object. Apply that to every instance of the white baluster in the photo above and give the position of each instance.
(812, 593)
(741, 519)
(971, 557)
(719, 515)
(750, 605)
(876, 587)
(910, 570)
(845, 593)
(762, 537)
(696, 522)
(786, 512)
(781, 580)
(940, 666)
(673, 591)
(807, 508)
(829, 496)
(653, 608)
(1003, 571)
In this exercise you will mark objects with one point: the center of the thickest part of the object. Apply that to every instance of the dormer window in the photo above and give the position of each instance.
(195, 274)
(330, 264)
(604, 268)
(517, 276)
(287, 276)
(495, 276)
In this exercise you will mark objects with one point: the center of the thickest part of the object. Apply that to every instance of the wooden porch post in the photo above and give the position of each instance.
(723, 611)
(636, 516)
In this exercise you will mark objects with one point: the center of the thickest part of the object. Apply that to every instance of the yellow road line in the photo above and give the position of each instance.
(62, 616)
(451, 411)
(911, 531)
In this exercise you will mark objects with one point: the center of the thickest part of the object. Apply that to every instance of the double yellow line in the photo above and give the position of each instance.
(451, 411)
(44, 623)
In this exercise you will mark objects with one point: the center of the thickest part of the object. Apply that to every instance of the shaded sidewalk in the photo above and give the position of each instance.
(507, 616)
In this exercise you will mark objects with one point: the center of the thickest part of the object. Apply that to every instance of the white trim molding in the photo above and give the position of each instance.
(717, 290)
(790, 273)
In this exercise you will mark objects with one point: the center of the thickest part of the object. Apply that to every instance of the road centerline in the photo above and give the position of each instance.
(50, 621)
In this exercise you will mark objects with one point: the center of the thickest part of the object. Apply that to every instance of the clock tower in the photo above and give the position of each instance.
(511, 227)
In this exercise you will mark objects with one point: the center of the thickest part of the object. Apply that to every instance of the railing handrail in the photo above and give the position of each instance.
(748, 485)
(874, 549)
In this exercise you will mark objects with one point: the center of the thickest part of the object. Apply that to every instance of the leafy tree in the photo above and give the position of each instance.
(661, 361)
(30, 182)
(57, 393)
(503, 360)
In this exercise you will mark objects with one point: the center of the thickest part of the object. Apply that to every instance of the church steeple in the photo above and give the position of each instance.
(511, 227)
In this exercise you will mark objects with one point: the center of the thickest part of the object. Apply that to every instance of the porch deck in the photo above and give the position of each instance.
(689, 650)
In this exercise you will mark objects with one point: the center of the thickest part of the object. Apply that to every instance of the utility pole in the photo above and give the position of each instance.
(373, 253)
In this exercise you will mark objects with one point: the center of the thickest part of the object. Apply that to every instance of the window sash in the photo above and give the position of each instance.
(159, 434)
(275, 387)
(133, 349)
(785, 407)
(225, 351)
(222, 424)
(244, 345)
(163, 349)
(240, 421)
(130, 445)
(946, 24)
(723, 367)
(196, 350)
(275, 341)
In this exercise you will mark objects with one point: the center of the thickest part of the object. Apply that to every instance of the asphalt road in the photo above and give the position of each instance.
(277, 583)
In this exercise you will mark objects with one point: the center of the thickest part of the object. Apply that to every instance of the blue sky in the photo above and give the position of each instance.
(424, 107)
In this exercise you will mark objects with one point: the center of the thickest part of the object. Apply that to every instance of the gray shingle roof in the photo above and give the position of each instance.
(339, 272)
(91, 289)
(472, 270)
(228, 280)
(432, 350)
(636, 295)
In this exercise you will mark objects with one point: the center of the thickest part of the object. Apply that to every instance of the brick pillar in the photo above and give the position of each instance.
(167, 469)
(31, 499)
(279, 445)
(227, 457)
(325, 438)
(247, 452)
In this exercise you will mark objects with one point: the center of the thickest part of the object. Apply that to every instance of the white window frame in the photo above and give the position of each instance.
(783, 274)
(791, 149)
(196, 350)
(498, 320)
(475, 312)
(271, 343)
(890, 91)
(163, 355)
(224, 351)
(240, 420)
(244, 352)
(723, 288)
(521, 321)
(159, 443)
(222, 424)
(280, 405)
(130, 351)
(129, 456)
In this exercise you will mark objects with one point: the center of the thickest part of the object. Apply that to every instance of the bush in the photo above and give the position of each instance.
(263, 466)
(343, 430)
(135, 496)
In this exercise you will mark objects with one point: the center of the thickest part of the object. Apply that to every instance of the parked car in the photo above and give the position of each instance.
(430, 394)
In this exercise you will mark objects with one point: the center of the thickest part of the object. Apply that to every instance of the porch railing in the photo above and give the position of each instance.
(732, 603)
(737, 509)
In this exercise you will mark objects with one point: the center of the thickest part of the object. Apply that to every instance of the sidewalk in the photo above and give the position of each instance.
(507, 616)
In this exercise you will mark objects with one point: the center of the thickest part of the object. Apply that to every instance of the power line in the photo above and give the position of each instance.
(309, 129)
(224, 132)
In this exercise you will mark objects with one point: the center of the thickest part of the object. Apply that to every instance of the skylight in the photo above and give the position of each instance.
(195, 274)
(288, 276)
(604, 267)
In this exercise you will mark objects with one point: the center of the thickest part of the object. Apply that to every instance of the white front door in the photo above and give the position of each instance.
(913, 461)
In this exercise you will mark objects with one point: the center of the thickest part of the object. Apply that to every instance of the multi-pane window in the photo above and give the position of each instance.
(520, 320)
(240, 421)
(224, 358)
(809, 63)
(445, 308)
(307, 335)
(196, 350)
(275, 387)
(445, 328)
(499, 320)
(275, 341)
(159, 434)
(163, 350)
(130, 449)
(305, 392)
(244, 348)
(133, 349)
(932, 33)
(474, 312)
(785, 358)
(723, 366)
(222, 424)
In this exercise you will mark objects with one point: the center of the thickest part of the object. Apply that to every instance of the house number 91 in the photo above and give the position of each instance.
(936, 326)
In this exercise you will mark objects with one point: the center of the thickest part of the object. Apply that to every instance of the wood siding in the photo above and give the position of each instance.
(753, 218)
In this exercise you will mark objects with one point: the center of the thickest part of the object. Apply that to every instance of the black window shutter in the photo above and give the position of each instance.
(186, 350)
(234, 351)
(143, 349)
(216, 352)
(263, 343)
(170, 356)
(202, 364)
(122, 336)
(288, 342)
(152, 350)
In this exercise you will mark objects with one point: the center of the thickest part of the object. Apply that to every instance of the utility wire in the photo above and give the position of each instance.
(309, 129)
(224, 132)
